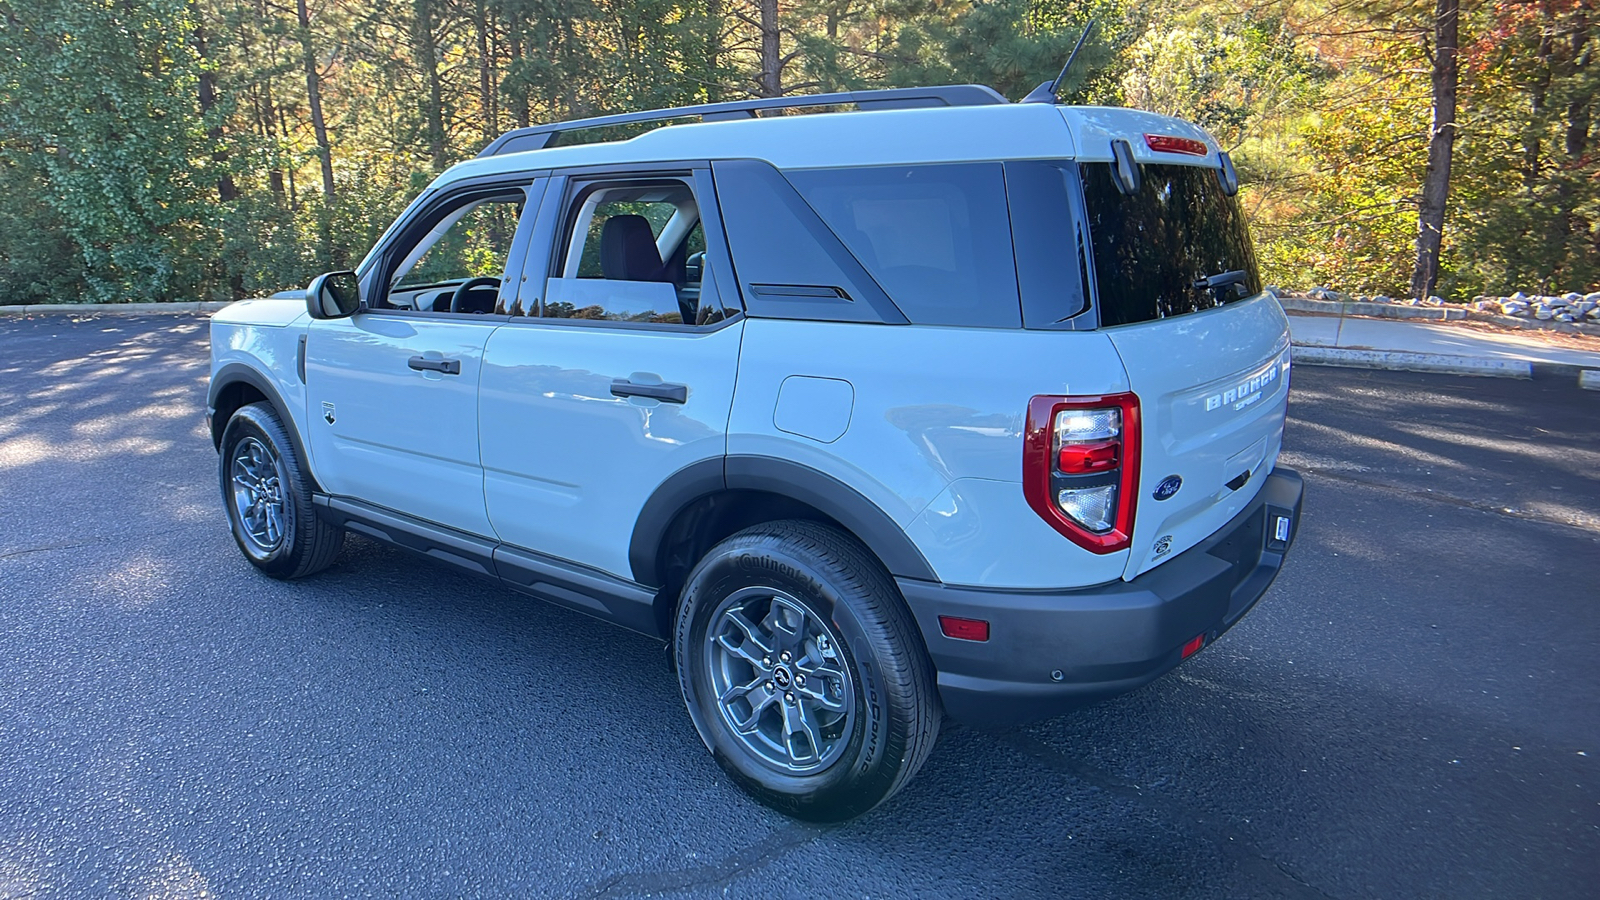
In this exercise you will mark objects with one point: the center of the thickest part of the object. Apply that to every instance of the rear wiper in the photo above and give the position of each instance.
(1212, 282)
(1236, 277)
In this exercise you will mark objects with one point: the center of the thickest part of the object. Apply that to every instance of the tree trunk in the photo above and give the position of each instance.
(518, 90)
(226, 190)
(771, 82)
(1436, 180)
(491, 124)
(427, 52)
(319, 126)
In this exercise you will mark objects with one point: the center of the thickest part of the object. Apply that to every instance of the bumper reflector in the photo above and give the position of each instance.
(964, 629)
(1193, 646)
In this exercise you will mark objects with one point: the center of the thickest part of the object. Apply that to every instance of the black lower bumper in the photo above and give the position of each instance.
(1050, 651)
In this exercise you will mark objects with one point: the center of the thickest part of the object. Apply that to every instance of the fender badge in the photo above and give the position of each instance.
(327, 411)
(1168, 486)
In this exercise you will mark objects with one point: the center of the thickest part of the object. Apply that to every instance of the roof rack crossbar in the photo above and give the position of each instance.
(538, 136)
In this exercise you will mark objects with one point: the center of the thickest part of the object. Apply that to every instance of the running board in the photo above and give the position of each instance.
(575, 587)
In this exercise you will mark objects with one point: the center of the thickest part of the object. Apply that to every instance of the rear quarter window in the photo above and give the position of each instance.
(1150, 248)
(936, 238)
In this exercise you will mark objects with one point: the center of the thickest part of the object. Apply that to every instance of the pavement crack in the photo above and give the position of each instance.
(1584, 524)
(713, 875)
(40, 550)
(1268, 873)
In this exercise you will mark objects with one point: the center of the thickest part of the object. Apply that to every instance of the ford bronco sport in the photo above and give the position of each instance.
(926, 403)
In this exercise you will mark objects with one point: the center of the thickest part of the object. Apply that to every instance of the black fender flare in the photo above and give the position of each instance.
(236, 373)
(768, 474)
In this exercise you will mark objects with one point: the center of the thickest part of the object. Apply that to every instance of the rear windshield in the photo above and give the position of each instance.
(1151, 248)
(936, 238)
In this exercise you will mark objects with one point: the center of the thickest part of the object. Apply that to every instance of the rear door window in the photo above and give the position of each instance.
(1150, 249)
(936, 238)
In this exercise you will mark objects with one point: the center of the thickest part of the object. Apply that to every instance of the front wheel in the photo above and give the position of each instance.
(267, 493)
(804, 672)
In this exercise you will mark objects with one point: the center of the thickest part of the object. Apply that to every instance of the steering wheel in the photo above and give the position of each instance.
(468, 286)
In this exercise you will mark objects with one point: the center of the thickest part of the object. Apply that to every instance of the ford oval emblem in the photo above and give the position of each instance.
(1168, 486)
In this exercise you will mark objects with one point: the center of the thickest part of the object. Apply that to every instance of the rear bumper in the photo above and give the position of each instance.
(1050, 651)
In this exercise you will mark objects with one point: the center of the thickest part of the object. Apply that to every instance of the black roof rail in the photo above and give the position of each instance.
(538, 136)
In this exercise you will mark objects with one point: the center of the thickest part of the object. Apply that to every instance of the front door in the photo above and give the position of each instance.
(393, 389)
(621, 375)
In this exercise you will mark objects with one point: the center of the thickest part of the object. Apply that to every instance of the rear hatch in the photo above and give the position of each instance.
(1209, 362)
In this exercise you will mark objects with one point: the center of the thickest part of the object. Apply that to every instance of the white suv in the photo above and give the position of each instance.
(925, 404)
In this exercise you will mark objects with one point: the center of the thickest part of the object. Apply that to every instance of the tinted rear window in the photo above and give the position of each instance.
(936, 238)
(1150, 249)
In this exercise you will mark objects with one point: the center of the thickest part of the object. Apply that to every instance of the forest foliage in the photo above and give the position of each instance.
(214, 149)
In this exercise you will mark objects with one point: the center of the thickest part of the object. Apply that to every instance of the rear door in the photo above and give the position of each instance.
(619, 374)
(1209, 362)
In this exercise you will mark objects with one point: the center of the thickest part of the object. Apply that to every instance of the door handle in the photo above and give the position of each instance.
(671, 393)
(424, 364)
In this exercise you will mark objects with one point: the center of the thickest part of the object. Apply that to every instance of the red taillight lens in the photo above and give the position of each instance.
(1082, 459)
(1080, 467)
(1166, 143)
(1193, 646)
(964, 629)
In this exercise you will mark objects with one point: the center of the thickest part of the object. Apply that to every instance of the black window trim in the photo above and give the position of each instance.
(375, 275)
(554, 219)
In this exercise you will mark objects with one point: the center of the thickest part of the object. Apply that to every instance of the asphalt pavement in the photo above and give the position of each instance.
(1410, 712)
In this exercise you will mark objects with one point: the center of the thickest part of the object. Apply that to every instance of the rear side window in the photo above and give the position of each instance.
(936, 238)
(1150, 249)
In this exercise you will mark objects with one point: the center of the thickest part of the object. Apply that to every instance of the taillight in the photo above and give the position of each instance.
(1080, 467)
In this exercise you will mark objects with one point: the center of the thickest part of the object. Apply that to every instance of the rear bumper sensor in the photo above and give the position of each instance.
(1050, 651)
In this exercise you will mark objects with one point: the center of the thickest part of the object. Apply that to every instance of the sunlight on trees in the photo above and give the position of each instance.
(210, 149)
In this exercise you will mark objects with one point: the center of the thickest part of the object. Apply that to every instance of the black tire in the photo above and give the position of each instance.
(862, 752)
(293, 541)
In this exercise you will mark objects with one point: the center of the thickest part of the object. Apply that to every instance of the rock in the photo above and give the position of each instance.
(1482, 305)
(1595, 313)
(1543, 313)
(1382, 298)
(1435, 301)
(1572, 296)
(1592, 298)
(1520, 296)
(1274, 290)
(1585, 305)
(1555, 302)
(1565, 317)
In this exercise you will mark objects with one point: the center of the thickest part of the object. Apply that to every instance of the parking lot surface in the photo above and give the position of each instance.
(1411, 711)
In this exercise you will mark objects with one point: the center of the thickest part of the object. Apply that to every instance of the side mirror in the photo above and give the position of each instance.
(1125, 168)
(333, 295)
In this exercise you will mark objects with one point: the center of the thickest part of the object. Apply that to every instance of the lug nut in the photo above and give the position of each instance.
(769, 686)
(766, 661)
(800, 681)
(788, 698)
(784, 656)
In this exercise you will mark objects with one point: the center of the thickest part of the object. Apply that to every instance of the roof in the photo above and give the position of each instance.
(872, 138)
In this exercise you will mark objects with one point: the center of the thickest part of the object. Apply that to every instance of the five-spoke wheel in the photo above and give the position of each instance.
(258, 478)
(780, 682)
(268, 497)
(803, 670)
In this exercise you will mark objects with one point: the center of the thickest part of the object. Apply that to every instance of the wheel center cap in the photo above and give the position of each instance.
(781, 677)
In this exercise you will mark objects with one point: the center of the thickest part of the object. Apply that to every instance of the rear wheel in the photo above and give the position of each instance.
(267, 494)
(803, 671)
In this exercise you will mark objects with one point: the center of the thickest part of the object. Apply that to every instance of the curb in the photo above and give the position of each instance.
(1589, 379)
(116, 309)
(1395, 360)
(1374, 310)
